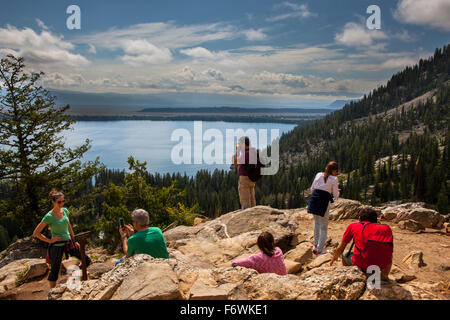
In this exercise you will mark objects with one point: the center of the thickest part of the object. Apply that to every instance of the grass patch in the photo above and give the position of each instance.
(20, 277)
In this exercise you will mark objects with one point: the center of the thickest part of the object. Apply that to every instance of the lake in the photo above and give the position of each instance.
(169, 146)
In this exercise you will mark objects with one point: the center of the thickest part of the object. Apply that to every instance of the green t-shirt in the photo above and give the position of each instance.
(150, 241)
(58, 227)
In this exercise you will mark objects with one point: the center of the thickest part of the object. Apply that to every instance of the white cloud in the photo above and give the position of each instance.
(255, 35)
(405, 36)
(57, 79)
(162, 35)
(198, 52)
(44, 48)
(357, 35)
(143, 52)
(215, 74)
(290, 80)
(297, 11)
(431, 13)
(398, 63)
(92, 49)
(41, 24)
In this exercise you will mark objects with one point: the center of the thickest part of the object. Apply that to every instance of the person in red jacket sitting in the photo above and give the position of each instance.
(373, 243)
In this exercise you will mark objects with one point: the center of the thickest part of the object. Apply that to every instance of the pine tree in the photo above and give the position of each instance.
(33, 157)
(443, 201)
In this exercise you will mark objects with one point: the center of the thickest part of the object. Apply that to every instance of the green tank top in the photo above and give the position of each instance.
(58, 227)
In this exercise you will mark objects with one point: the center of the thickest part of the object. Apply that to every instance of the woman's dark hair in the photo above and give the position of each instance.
(368, 214)
(331, 166)
(266, 243)
(55, 194)
(245, 141)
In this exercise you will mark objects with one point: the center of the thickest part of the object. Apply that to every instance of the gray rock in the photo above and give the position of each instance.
(442, 267)
(302, 253)
(26, 248)
(347, 209)
(149, 281)
(96, 270)
(292, 267)
(414, 259)
(410, 225)
(19, 271)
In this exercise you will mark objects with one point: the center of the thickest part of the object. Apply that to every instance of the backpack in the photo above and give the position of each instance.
(254, 170)
(377, 245)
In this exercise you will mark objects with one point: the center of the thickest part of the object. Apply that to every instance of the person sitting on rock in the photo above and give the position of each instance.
(149, 240)
(373, 242)
(269, 260)
(63, 238)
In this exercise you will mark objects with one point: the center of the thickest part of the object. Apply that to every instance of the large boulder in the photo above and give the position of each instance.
(411, 225)
(143, 277)
(347, 209)
(119, 282)
(325, 283)
(332, 283)
(391, 212)
(231, 235)
(149, 281)
(391, 290)
(428, 218)
(26, 248)
(19, 271)
(416, 212)
(301, 254)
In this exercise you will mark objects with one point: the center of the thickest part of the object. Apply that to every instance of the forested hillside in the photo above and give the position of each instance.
(413, 140)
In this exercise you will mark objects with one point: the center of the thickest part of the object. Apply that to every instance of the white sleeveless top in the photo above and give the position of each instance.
(330, 186)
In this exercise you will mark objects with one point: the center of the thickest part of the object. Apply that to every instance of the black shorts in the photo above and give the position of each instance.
(56, 254)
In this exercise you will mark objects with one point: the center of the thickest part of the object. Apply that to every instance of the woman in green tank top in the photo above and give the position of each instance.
(63, 239)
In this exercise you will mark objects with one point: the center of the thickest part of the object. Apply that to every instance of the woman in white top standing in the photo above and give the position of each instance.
(325, 181)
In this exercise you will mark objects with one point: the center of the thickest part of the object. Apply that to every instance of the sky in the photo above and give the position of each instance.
(286, 52)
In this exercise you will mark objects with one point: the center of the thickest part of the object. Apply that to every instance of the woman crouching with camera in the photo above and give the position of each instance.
(63, 239)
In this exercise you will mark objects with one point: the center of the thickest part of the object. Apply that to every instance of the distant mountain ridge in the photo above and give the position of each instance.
(226, 109)
(338, 104)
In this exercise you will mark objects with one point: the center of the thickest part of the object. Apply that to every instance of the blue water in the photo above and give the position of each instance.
(150, 141)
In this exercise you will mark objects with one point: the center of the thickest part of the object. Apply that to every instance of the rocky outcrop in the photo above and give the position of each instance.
(346, 209)
(411, 225)
(26, 248)
(301, 254)
(144, 278)
(16, 272)
(96, 270)
(232, 235)
(391, 290)
(412, 216)
(199, 266)
(413, 213)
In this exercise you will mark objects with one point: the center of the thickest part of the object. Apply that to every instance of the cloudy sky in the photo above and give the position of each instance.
(280, 50)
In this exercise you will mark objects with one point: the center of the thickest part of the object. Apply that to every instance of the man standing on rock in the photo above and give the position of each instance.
(244, 156)
(149, 240)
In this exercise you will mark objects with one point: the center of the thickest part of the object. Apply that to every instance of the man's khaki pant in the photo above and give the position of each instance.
(246, 190)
